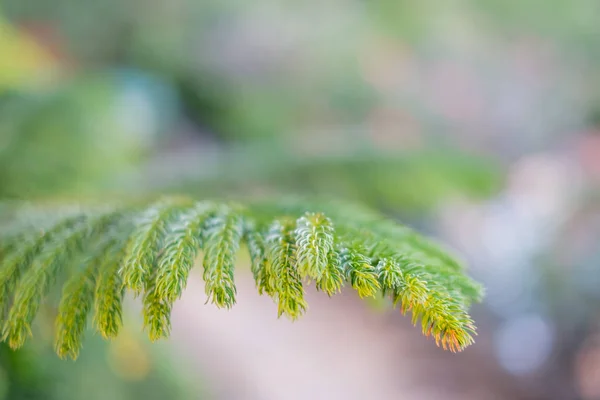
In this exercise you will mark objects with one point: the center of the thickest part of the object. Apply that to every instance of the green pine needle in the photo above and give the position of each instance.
(96, 255)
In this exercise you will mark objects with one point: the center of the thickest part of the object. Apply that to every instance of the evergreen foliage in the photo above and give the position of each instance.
(150, 248)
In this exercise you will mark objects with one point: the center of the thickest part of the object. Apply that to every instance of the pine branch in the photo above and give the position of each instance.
(150, 249)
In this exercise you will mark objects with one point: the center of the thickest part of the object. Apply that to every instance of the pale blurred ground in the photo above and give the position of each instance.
(341, 349)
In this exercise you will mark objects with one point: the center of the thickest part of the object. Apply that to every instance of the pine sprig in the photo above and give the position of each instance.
(360, 272)
(221, 238)
(144, 245)
(314, 242)
(256, 249)
(76, 302)
(157, 312)
(181, 244)
(109, 292)
(332, 280)
(36, 281)
(151, 249)
(285, 277)
(18, 256)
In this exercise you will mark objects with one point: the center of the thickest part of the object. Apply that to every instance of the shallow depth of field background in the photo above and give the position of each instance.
(473, 121)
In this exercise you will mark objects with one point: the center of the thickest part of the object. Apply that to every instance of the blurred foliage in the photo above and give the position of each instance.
(23, 62)
(123, 369)
(260, 72)
(569, 22)
(238, 93)
(74, 137)
(410, 182)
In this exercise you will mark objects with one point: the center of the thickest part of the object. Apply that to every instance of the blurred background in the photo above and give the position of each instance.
(474, 121)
